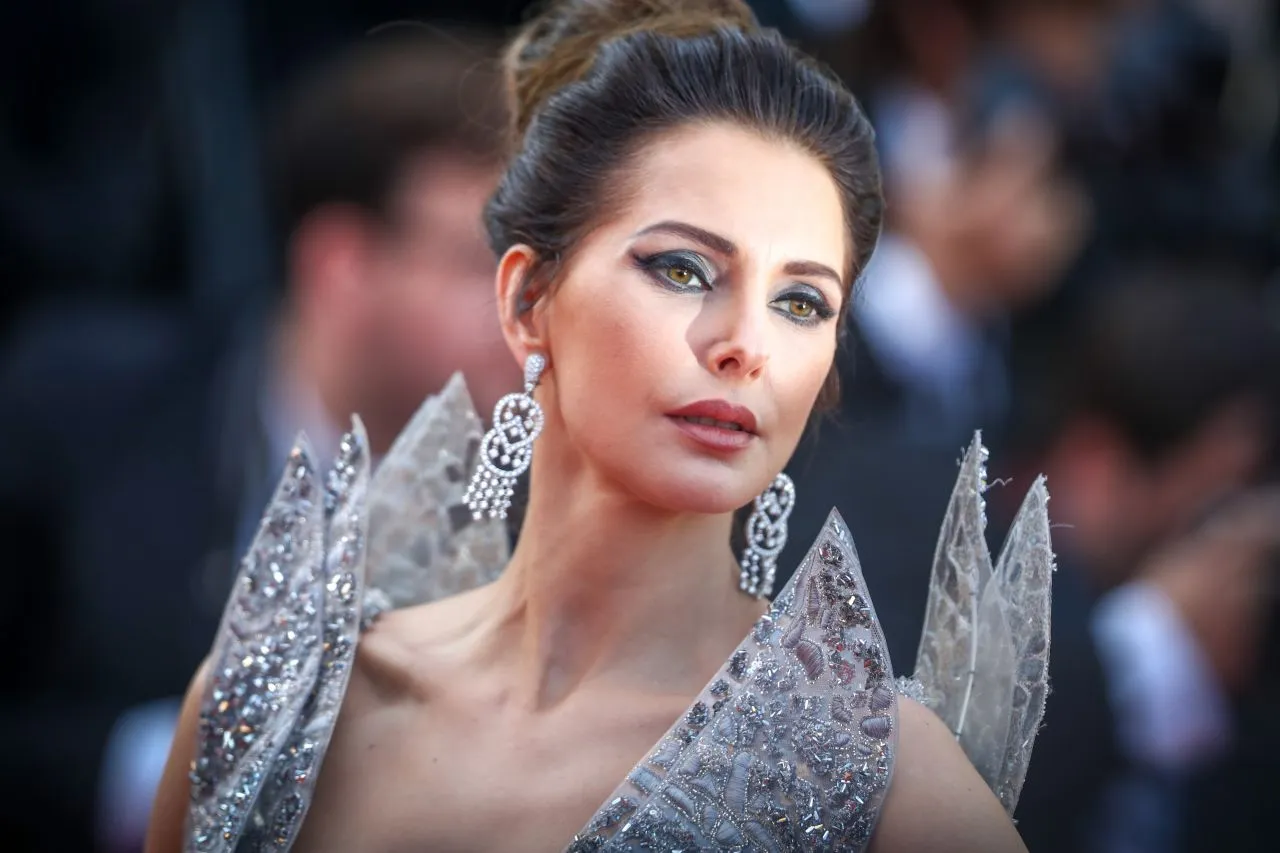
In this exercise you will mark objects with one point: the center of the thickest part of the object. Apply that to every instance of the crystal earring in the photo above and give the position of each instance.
(766, 537)
(507, 448)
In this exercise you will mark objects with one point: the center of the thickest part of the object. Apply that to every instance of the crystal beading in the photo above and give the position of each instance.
(789, 748)
(507, 448)
(766, 537)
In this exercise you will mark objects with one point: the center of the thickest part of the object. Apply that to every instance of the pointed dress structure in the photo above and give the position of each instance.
(789, 747)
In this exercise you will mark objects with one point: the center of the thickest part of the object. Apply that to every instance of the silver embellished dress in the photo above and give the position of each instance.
(789, 747)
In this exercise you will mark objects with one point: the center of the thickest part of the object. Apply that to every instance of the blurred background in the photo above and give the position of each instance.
(222, 221)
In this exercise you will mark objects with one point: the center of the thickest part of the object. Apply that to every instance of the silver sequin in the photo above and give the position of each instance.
(801, 760)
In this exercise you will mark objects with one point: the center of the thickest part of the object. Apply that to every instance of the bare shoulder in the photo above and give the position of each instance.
(384, 665)
(936, 799)
(404, 652)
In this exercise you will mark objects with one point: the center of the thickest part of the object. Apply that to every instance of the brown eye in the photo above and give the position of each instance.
(801, 308)
(680, 274)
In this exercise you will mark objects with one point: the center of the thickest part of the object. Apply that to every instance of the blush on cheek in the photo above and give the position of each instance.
(596, 325)
(608, 346)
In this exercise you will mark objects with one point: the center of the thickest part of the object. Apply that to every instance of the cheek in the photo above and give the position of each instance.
(612, 347)
(618, 354)
(799, 374)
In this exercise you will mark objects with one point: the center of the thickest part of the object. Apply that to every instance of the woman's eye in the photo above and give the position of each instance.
(801, 309)
(681, 274)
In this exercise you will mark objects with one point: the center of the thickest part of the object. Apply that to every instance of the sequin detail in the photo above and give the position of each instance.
(264, 663)
(790, 747)
(289, 786)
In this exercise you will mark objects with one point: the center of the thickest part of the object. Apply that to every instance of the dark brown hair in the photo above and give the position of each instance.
(591, 80)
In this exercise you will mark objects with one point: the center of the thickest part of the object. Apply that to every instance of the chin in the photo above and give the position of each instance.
(706, 486)
(674, 475)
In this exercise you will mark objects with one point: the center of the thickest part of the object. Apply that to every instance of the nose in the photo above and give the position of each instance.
(740, 351)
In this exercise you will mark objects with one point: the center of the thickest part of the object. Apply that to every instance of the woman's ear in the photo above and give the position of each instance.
(523, 325)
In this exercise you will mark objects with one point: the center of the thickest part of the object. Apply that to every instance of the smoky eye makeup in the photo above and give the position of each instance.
(804, 304)
(681, 271)
(685, 271)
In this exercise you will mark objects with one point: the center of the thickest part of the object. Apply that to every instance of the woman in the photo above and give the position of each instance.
(688, 206)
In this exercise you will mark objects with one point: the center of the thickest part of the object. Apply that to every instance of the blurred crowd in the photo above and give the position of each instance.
(225, 221)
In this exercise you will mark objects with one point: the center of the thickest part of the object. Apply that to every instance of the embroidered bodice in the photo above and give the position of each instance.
(789, 747)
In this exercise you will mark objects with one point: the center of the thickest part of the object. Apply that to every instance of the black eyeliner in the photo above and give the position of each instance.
(651, 264)
(821, 307)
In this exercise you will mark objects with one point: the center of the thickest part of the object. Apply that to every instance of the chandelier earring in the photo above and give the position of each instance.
(507, 448)
(766, 537)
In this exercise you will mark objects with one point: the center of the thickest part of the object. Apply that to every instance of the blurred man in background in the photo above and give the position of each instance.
(147, 444)
(1158, 464)
(983, 223)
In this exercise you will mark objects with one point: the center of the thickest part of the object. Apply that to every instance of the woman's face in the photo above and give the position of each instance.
(691, 332)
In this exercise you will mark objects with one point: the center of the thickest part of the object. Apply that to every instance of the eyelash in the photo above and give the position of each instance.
(822, 311)
(656, 267)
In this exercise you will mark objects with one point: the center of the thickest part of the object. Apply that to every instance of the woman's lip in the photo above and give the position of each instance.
(719, 410)
(713, 437)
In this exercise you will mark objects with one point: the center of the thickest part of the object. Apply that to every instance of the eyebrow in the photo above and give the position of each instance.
(813, 268)
(711, 240)
(725, 246)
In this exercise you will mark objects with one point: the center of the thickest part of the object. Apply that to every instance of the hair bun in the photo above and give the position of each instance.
(558, 45)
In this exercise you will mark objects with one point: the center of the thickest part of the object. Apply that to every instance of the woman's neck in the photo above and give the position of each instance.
(603, 588)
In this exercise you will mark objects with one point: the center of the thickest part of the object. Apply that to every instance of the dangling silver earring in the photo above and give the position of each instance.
(766, 537)
(507, 448)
